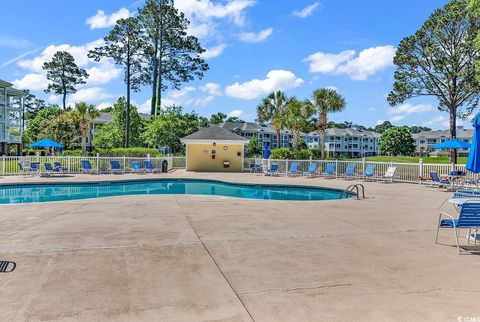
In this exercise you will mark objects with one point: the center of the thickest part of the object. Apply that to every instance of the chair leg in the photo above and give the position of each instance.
(438, 227)
(456, 239)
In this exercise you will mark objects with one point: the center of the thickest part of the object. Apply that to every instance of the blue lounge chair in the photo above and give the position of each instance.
(255, 168)
(136, 168)
(149, 166)
(312, 170)
(35, 167)
(293, 169)
(24, 169)
(369, 172)
(87, 167)
(437, 182)
(49, 170)
(59, 168)
(115, 166)
(329, 170)
(273, 169)
(469, 218)
(349, 171)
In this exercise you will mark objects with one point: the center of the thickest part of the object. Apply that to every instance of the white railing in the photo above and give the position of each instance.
(406, 172)
(9, 165)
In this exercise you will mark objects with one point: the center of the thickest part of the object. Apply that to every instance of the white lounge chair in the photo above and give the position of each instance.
(389, 174)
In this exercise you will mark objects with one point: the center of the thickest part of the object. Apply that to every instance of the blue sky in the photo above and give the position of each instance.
(253, 47)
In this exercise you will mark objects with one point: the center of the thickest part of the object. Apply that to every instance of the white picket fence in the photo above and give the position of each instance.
(9, 165)
(406, 172)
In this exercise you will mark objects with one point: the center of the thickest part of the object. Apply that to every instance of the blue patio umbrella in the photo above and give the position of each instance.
(266, 151)
(46, 143)
(473, 162)
(452, 144)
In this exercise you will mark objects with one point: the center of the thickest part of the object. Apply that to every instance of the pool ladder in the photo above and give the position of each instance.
(358, 188)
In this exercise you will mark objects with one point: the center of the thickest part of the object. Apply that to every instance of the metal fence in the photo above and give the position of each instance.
(73, 164)
(406, 172)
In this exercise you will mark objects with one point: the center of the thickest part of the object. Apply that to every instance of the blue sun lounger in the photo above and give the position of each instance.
(136, 168)
(115, 166)
(312, 170)
(59, 168)
(49, 169)
(349, 171)
(87, 167)
(369, 172)
(273, 169)
(437, 182)
(329, 170)
(149, 166)
(293, 169)
(469, 218)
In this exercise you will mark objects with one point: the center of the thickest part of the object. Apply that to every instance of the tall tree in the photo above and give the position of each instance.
(474, 9)
(64, 75)
(125, 45)
(218, 118)
(82, 116)
(272, 109)
(298, 113)
(173, 56)
(396, 141)
(439, 61)
(326, 101)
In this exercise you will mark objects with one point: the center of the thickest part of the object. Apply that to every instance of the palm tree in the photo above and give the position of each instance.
(272, 109)
(326, 101)
(298, 113)
(83, 116)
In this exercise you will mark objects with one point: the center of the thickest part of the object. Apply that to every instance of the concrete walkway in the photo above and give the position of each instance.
(197, 258)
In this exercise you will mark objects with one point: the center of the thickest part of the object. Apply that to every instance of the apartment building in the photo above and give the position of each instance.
(349, 142)
(11, 107)
(424, 140)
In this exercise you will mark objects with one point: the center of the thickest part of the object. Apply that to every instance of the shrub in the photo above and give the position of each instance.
(118, 152)
(286, 153)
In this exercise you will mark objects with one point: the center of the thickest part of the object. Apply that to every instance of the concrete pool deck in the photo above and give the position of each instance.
(192, 258)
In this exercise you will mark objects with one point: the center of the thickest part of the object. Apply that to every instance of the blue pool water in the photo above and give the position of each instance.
(26, 193)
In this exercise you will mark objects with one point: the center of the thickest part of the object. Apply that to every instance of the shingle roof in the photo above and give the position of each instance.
(352, 132)
(248, 127)
(215, 133)
(461, 134)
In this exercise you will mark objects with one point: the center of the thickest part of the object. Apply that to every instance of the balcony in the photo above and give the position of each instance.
(14, 139)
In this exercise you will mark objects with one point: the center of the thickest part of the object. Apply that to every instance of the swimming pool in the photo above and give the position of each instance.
(43, 192)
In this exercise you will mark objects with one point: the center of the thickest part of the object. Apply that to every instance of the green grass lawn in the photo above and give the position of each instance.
(439, 160)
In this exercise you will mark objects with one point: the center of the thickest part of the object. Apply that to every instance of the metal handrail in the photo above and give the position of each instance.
(357, 187)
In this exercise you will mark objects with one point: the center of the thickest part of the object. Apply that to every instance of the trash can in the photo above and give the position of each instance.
(164, 166)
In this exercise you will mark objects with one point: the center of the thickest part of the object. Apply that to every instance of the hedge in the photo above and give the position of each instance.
(118, 152)
(286, 153)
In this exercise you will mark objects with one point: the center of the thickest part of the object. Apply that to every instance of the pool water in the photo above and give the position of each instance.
(26, 193)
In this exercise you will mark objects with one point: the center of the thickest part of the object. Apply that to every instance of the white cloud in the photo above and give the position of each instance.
(256, 37)
(101, 20)
(145, 107)
(203, 13)
(307, 11)
(276, 80)
(408, 108)
(235, 113)
(368, 62)
(371, 109)
(211, 89)
(379, 122)
(397, 118)
(102, 73)
(78, 52)
(203, 101)
(441, 120)
(214, 51)
(91, 94)
(332, 88)
(34, 82)
(103, 105)
(8, 41)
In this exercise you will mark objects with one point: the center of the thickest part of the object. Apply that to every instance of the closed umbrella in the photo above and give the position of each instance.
(266, 151)
(473, 162)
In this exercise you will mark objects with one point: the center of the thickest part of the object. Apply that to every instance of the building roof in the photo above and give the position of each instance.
(106, 117)
(214, 133)
(352, 132)
(461, 133)
(247, 127)
(10, 90)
